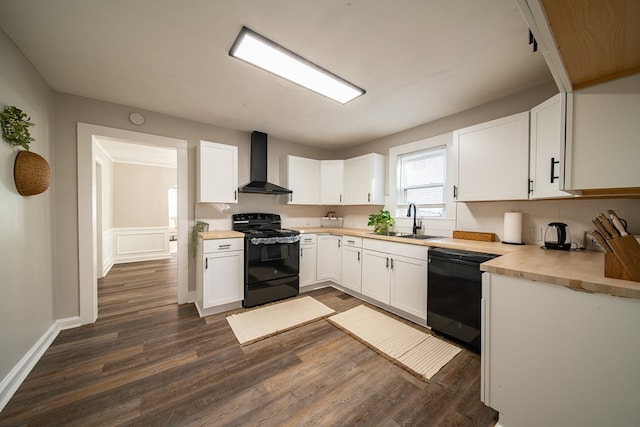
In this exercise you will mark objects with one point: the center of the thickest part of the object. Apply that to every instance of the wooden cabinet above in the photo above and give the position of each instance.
(586, 42)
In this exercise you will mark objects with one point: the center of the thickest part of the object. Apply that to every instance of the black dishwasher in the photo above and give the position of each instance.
(454, 291)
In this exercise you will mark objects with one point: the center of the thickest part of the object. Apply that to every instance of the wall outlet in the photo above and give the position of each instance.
(589, 243)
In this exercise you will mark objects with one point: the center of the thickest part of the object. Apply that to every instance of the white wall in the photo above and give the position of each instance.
(73, 109)
(140, 195)
(27, 285)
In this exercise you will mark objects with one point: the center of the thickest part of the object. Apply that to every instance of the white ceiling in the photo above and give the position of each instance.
(122, 151)
(418, 60)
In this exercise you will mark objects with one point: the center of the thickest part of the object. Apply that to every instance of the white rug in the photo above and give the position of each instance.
(254, 325)
(418, 352)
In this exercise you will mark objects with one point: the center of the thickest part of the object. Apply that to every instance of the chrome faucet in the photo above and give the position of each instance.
(415, 226)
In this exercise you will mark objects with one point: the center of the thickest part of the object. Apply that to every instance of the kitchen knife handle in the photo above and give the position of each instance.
(607, 224)
(617, 223)
(554, 162)
(603, 231)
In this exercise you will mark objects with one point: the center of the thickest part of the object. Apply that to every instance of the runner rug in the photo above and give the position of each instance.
(420, 353)
(254, 325)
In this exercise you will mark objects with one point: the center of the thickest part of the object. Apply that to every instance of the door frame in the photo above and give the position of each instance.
(87, 230)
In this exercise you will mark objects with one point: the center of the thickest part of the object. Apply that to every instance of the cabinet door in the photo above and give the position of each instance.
(217, 173)
(223, 278)
(376, 275)
(308, 254)
(329, 258)
(364, 180)
(331, 181)
(605, 126)
(546, 160)
(409, 285)
(352, 268)
(493, 160)
(303, 178)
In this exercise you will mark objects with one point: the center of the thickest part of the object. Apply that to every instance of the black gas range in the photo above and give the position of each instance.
(271, 258)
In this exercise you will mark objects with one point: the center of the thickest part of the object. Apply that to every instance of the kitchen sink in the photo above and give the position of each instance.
(408, 235)
(419, 236)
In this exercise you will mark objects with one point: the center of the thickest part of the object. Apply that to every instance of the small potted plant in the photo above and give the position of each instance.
(381, 222)
(198, 227)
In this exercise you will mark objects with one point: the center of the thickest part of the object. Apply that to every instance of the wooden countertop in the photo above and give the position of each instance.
(220, 234)
(577, 270)
(495, 248)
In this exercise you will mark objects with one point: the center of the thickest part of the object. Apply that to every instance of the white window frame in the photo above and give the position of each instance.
(403, 201)
(451, 172)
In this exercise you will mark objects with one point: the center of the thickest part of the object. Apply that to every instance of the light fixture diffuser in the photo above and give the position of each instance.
(257, 50)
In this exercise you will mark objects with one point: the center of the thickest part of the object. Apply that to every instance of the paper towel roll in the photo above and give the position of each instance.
(512, 227)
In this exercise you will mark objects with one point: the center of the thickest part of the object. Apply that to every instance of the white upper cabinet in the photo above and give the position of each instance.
(302, 176)
(493, 160)
(364, 178)
(217, 172)
(546, 163)
(603, 137)
(331, 182)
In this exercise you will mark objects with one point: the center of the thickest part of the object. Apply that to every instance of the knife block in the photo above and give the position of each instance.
(624, 262)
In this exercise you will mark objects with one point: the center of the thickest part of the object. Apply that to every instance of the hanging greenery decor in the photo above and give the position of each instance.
(198, 227)
(15, 127)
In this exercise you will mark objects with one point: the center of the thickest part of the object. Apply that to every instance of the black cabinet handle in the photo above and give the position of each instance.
(339, 242)
(387, 266)
(554, 162)
(235, 194)
(392, 263)
(455, 191)
(206, 263)
(368, 197)
(530, 186)
(358, 256)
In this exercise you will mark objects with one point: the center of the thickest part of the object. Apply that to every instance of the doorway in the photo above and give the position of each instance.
(87, 215)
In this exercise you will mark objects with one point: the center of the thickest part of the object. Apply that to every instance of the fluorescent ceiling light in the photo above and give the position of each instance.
(257, 50)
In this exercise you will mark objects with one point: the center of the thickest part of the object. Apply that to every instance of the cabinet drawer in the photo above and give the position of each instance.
(356, 242)
(402, 249)
(223, 245)
(307, 239)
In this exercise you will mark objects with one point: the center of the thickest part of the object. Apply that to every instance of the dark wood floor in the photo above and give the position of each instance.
(149, 362)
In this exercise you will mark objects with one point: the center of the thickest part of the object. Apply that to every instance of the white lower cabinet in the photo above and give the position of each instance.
(376, 275)
(219, 281)
(408, 285)
(396, 274)
(308, 259)
(329, 258)
(352, 263)
(575, 354)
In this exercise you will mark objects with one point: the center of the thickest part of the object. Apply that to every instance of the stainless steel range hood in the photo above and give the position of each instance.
(258, 171)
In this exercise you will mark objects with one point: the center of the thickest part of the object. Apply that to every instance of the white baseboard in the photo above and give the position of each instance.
(14, 379)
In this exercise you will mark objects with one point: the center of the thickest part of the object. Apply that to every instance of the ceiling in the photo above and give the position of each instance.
(122, 151)
(418, 60)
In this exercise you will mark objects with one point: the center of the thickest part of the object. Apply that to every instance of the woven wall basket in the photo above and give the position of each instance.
(31, 173)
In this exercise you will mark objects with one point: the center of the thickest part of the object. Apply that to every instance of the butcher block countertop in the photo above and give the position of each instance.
(577, 270)
(220, 234)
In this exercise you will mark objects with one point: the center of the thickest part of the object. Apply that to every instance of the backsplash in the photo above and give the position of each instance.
(476, 216)
(576, 213)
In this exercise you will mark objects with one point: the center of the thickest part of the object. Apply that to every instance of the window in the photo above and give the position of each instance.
(421, 180)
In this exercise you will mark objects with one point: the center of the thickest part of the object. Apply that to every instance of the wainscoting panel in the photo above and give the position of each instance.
(140, 244)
